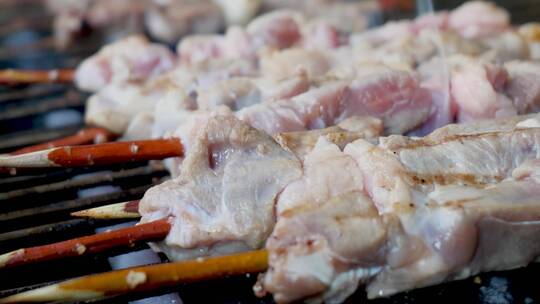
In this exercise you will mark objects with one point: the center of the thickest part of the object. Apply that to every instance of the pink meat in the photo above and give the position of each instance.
(320, 35)
(132, 58)
(199, 48)
(279, 29)
(477, 91)
(477, 19)
(394, 96)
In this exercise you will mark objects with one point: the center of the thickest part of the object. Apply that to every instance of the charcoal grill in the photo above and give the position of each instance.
(35, 206)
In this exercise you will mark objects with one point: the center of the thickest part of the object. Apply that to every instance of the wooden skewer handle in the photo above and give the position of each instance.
(13, 76)
(151, 231)
(145, 278)
(83, 137)
(116, 152)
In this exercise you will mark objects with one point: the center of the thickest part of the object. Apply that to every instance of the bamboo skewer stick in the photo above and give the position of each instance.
(13, 76)
(114, 211)
(99, 154)
(83, 137)
(145, 278)
(151, 231)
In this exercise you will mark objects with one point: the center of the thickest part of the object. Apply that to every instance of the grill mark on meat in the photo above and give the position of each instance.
(427, 142)
(453, 178)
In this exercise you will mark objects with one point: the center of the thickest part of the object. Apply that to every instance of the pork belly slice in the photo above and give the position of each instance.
(222, 196)
(392, 95)
(168, 97)
(324, 252)
(434, 231)
(490, 229)
(116, 105)
(400, 168)
(223, 201)
(132, 58)
(327, 172)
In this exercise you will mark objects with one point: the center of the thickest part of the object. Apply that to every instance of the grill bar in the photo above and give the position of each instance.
(69, 101)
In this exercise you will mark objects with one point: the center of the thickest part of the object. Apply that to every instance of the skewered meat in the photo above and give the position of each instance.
(133, 58)
(166, 20)
(275, 30)
(223, 201)
(240, 69)
(121, 17)
(477, 19)
(171, 21)
(301, 143)
(346, 16)
(212, 194)
(394, 96)
(523, 85)
(444, 207)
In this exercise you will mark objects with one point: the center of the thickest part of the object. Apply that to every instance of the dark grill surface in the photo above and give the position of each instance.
(35, 206)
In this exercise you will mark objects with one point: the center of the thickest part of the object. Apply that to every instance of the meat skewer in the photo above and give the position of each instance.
(325, 282)
(95, 76)
(295, 141)
(151, 231)
(356, 207)
(146, 278)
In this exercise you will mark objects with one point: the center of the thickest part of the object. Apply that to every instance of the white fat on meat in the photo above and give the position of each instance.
(224, 199)
(235, 93)
(239, 12)
(289, 62)
(114, 106)
(321, 180)
(168, 97)
(132, 58)
(303, 142)
(275, 89)
(241, 92)
(444, 230)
